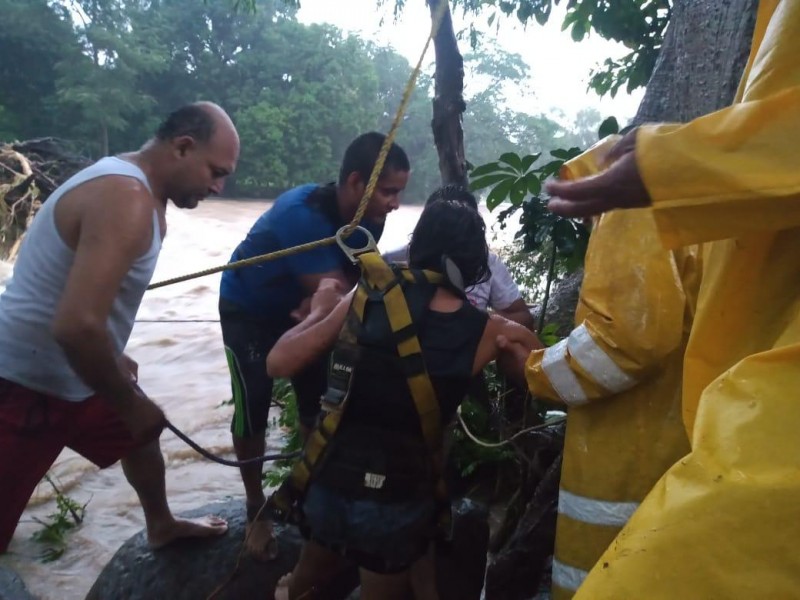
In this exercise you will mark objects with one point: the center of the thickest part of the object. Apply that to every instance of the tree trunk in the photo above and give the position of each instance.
(448, 100)
(103, 139)
(704, 53)
(698, 70)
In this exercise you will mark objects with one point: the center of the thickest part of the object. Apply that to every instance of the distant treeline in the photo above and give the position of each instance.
(102, 73)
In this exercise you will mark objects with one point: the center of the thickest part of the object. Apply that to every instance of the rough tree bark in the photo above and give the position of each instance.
(448, 100)
(705, 49)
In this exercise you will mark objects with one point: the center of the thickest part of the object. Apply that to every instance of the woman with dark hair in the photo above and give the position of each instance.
(498, 292)
(387, 528)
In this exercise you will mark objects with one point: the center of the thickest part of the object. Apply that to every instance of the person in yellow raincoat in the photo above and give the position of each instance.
(619, 372)
(724, 521)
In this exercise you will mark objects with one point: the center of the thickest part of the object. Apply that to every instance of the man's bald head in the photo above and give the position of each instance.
(199, 148)
(199, 120)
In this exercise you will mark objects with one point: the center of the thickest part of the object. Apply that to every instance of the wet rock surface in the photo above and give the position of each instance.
(194, 569)
(12, 586)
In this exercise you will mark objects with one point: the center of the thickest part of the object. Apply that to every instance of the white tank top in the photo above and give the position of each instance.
(29, 355)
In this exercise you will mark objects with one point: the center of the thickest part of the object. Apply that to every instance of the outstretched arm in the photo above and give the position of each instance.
(315, 335)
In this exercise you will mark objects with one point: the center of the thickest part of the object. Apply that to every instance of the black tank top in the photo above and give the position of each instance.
(380, 431)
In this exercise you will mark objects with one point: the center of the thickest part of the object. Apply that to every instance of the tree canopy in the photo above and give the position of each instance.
(104, 72)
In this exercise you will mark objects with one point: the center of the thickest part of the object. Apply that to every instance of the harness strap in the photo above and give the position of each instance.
(383, 283)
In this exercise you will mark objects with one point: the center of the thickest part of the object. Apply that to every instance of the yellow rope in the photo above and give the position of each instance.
(368, 191)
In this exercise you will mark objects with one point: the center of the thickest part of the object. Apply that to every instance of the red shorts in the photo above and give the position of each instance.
(35, 428)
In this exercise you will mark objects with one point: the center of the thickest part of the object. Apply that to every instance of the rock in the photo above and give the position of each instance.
(193, 569)
(12, 586)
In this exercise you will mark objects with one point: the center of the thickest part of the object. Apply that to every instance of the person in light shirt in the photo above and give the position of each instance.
(499, 293)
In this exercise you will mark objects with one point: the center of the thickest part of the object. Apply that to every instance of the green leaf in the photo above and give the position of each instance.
(528, 160)
(489, 180)
(579, 31)
(485, 169)
(560, 153)
(519, 190)
(513, 160)
(551, 168)
(534, 184)
(499, 193)
(608, 127)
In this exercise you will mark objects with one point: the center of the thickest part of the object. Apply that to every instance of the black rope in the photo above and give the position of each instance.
(224, 461)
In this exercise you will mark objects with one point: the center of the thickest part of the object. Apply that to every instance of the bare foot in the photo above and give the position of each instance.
(282, 587)
(259, 541)
(207, 526)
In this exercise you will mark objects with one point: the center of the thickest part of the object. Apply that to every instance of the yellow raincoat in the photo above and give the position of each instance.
(725, 521)
(619, 372)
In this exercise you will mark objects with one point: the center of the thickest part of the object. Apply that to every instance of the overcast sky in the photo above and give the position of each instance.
(560, 68)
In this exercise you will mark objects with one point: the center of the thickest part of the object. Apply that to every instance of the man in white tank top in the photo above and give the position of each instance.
(69, 308)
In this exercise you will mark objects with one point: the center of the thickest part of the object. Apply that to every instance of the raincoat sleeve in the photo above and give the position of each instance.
(630, 314)
(735, 171)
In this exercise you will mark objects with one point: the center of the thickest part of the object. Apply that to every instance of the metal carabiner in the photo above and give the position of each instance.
(353, 253)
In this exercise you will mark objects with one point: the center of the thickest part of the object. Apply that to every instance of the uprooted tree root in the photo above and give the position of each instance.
(29, 172)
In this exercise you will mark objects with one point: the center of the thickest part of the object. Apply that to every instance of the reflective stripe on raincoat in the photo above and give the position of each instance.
(723, 522)
(620, 372)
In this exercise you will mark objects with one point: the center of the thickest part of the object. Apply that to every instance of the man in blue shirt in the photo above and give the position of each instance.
(259, 303)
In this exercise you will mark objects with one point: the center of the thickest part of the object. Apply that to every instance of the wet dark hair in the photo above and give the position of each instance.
(455, 192)
(192, 120)
(362, 153)
(453, 229)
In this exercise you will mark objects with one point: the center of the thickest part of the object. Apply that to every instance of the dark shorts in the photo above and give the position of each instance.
(248, 340)
(377, 536)
(35, 428)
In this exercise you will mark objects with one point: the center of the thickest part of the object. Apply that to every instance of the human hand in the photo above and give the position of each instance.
(619, 186)
(302, 311)
(129, 367)
(328, 294)
(143, 418)
(512, 356)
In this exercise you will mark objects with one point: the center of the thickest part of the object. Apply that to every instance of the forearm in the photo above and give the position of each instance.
(518, 315)
(301, 345)
(585, 367)
(738, 171)
(91, 355)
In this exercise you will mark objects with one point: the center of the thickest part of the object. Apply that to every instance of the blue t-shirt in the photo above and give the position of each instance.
(272, 289)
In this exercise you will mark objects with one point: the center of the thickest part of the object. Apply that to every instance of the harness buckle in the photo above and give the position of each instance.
(354, 253)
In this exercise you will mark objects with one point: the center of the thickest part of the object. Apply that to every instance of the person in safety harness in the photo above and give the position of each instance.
(70, 306)
(405, 345)
(723, 521)
(257, 303)
(619, 374)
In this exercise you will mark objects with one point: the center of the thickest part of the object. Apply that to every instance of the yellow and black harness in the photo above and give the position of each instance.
(383, 285)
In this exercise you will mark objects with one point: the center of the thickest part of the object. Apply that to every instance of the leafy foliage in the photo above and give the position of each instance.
(288, 420)
(298, 94)
(518, 181)
(637, 24)
(54, 532)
